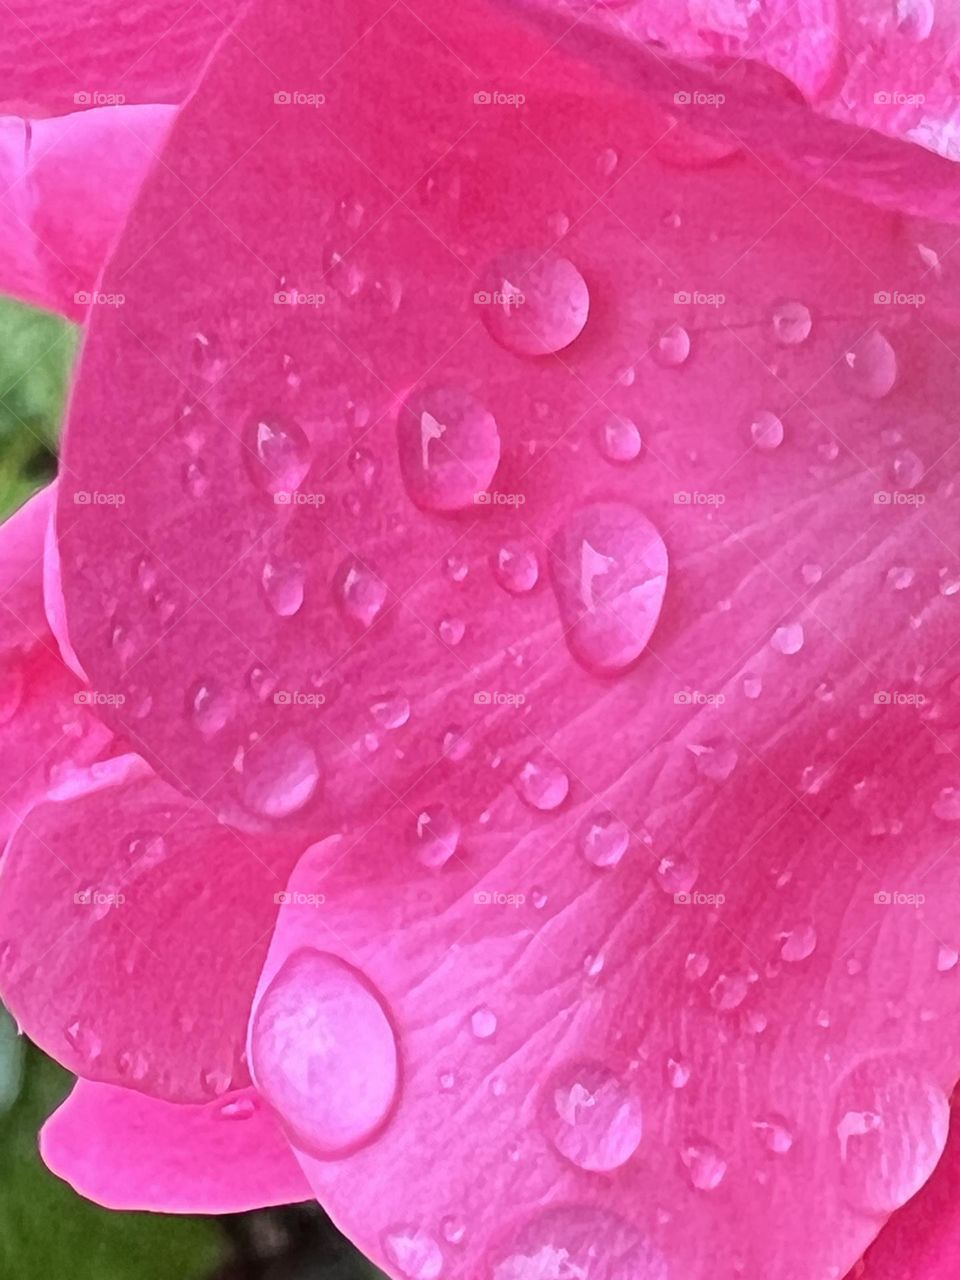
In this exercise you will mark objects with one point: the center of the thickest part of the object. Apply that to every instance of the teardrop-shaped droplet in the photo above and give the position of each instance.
(324, 1055)
(277, 454)
(209, 708)
(610, 573)
(620, 440)
(360, 593)
(517, 568)
(449, 448)
(592, 1117)
(704, 1163)
(280, 776)
(437, 834)
(283, 585)
(414, 1253)
(533, 303)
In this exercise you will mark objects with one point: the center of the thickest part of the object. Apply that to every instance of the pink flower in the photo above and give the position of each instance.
(506, 542)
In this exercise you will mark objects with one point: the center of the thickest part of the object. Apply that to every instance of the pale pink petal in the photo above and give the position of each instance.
(140, 967)
(127, 1151)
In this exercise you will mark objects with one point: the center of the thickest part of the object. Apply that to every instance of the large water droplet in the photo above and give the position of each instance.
(869, 366)
(592, 1117)
(280, 776)
(277, 455)
(610, 574)
(575, 1242)
(604, 839)
(414, 1253)
(449, 448)
(283, 586)
(324, 1055)
(543, 784)
(891, 1123)
(533, 303)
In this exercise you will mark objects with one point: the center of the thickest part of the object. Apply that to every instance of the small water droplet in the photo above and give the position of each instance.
(947, 958)
(729, 991)
(677, 872)
(704, 1164)
(283, 585)
(592, 1117)
(451, 630)
(215, 1081)
(209, 708)
(869, 366)
(774, 1133)
(196, 482)
(517, 569)
(280, 776)
(483, 1022)
(437, 836)
(672, 346)
(766, 430)
(453, 1230)
(237, 1109)
(83, 1040)
(604, 839)
(543, 784)
(678, 1072)
(788, 639)
(799, 943)
(947, 805)
(715, 760)
(360, 593)
(414, 1253)
(277, 455)
(620, 440)
(907, 469)
(607, 161)
(390, 710)
(791, 323)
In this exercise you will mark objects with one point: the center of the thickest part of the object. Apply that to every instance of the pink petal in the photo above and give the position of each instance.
(47, 724)
(68, 185)
(140, 968)
(595, 1053)
(60, 55)
(127, 1151)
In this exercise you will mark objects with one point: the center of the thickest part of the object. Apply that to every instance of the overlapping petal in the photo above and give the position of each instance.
(129, 1151)
(642, 918)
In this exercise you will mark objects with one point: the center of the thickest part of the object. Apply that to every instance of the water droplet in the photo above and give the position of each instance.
(752, 686)
(591, 1117)
(729, 991)
(533, 303)
(364, 466)
(214, 1081)
(195, 479)
(678, 1073)
(83, 1040)
(449, 448)
(609, 574)
(360, 593)
(907, 469)
(791, 323)
(949, 582)
(283, 586)
(774, 1134)
(947, 805)
(715, 760)
(261, 683)
(517, 569)
(607, 162)
(277, 455)
(451, 630)
(576, 1242)
(543, 784)
(208, 707)
(620, 440)
(704, 1164)
(324, 1054)
(133, 1065)
(811, 574)
(558, 224)
(453, 1230)
(947, 958)
(414, 1253)
(237, 1109)
(788, 639)
(891, 1125)
(799, 943)
(391, 710)
(483, 1022)
(457, 568)
(280, 776)
(914, 19)
(437, 836)
(677, 873)
(144, 850)
(869, 366)
(604, 839)
(766, 430)
(672, 346)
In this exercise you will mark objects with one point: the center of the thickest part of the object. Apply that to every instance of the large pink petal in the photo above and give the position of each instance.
(454, 694)
(127, 1151)
(56, 56)
(49, 726)
(68, 185)
(140, 967)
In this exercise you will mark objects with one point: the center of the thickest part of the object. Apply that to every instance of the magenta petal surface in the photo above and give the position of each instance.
(127, 1151)
(140, 968)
